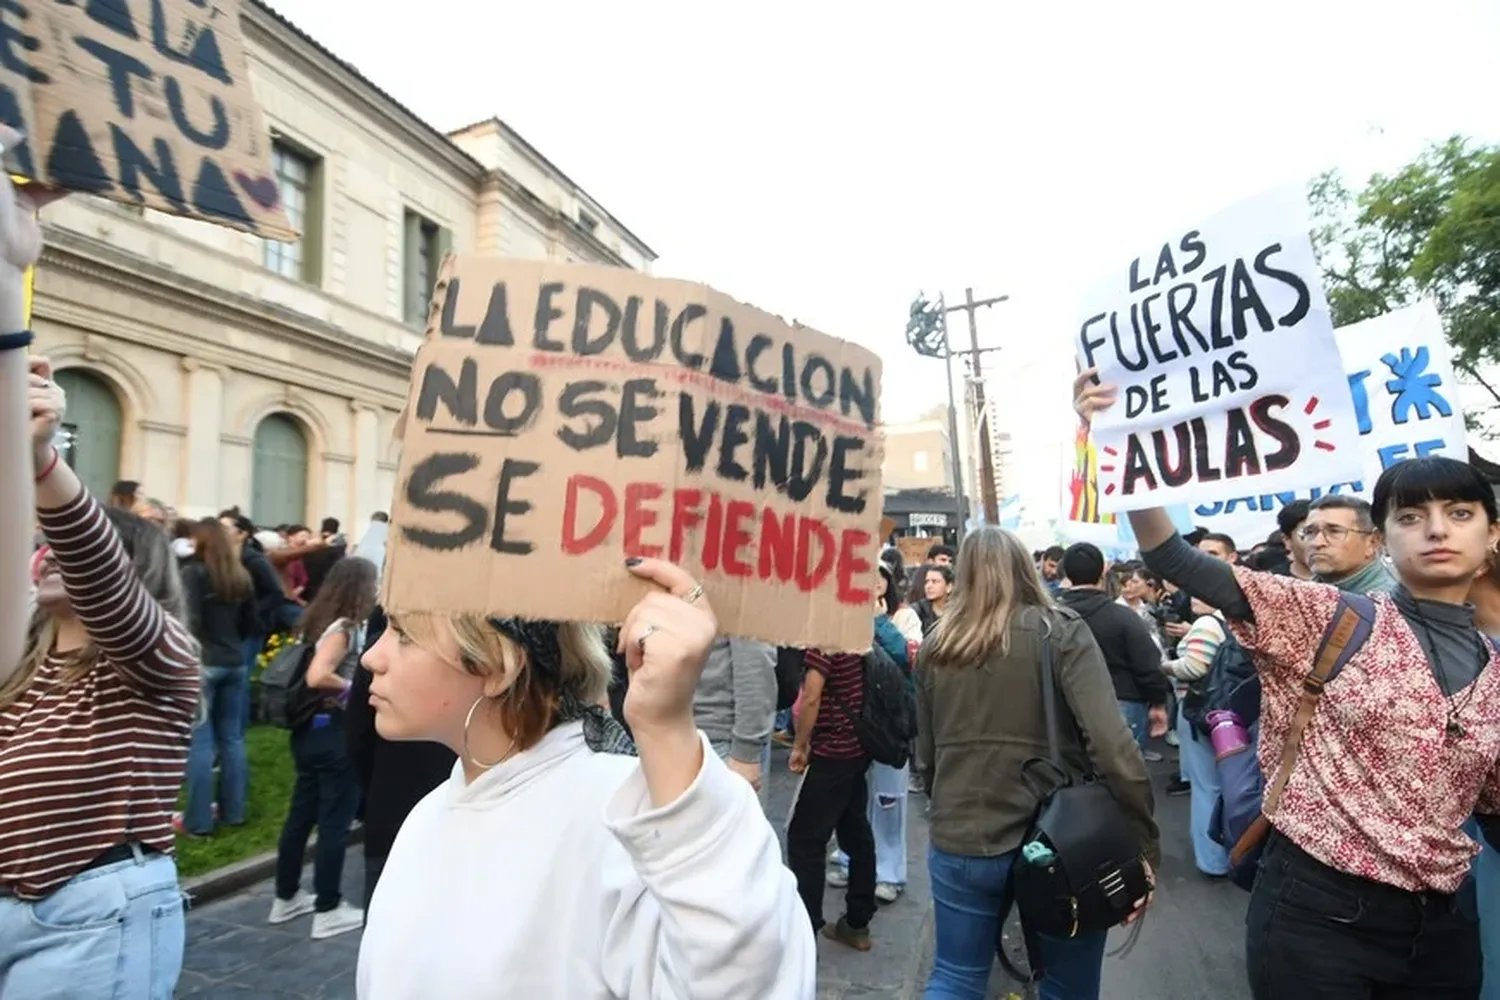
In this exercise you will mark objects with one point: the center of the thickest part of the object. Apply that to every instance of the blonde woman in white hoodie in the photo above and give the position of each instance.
(554, 864)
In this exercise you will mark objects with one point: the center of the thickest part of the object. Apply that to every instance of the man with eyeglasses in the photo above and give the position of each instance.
(1343, 547)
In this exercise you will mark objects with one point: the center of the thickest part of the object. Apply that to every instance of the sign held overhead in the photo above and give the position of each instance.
(143, 103)
(562, 418)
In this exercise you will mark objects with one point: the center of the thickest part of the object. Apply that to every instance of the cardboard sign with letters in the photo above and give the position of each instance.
(564, 417)
(143, 103)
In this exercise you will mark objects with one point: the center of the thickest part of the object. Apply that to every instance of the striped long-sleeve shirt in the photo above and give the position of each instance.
(1197, 649)
(96, 764)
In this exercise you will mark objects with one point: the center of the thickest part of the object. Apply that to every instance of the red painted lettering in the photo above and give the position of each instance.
(810, 576)
(685, 516)
(778, 545)
(737, 537)
(854, 568)
(713, 532)
(639, 517)
(572, 544)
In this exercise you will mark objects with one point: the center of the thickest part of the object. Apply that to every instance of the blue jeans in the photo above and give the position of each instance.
(220, 731)
(1196, 755)
(1138, 718)
(114, 931)
(326, 796)
(888, 791)
(1486, 875)
(966, 898)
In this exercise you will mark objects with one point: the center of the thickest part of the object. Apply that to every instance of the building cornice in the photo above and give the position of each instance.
(554, 221)
(287, 40)
(66, 250)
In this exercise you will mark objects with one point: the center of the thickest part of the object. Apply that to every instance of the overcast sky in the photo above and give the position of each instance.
(825, 160)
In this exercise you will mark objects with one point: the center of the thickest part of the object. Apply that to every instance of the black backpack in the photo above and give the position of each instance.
(1230, 668)
(887, 721)
(285, 699)
(791, 664)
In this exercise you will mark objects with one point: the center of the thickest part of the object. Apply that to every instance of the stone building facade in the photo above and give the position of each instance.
(217, 369)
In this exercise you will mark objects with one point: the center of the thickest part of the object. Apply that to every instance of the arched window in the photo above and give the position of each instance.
(278, 472)
(94, 426)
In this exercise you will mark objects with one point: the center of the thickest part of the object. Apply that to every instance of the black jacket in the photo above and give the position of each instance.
(1133, 659)
(393, 776)
(269, 593)
(221, 627)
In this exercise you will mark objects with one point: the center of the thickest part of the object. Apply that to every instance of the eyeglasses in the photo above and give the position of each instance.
(1336, 532)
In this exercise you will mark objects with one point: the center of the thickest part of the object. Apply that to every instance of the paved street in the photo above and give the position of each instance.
(1191, 945)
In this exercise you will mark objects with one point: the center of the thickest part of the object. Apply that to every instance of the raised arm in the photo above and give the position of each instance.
(153, 652)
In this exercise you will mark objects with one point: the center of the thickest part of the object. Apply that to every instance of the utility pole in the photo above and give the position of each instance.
(987, 491)
(927, 333)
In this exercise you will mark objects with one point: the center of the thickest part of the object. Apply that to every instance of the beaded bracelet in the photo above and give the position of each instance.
(15, 341)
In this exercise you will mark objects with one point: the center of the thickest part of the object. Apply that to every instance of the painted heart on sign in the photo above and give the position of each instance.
(263, 189)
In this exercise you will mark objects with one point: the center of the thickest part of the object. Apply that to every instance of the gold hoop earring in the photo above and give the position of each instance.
(468, 721)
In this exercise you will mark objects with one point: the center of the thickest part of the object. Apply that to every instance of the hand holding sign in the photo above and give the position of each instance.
(666, 639)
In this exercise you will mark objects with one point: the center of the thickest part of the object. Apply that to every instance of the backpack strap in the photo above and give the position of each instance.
(1351, 625)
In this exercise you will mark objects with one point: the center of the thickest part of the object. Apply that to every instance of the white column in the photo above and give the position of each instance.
(367, 498)
(204, 417)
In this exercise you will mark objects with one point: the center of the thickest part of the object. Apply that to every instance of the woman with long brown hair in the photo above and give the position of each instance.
(326, 795)
(221, 608)
(979, 718)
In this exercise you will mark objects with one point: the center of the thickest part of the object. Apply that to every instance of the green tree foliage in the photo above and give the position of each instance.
(1431, 229)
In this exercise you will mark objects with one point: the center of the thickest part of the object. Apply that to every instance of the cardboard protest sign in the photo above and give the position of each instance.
(913, 549)
(141, 103)
(564, 417)
(1220, 343)
(1400, 375)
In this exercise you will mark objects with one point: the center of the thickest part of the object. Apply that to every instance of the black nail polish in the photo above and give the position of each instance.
(633, 561)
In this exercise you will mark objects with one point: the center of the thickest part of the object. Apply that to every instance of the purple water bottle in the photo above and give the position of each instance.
(1227, 733)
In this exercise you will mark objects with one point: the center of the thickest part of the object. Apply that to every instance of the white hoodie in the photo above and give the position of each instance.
(552, 876)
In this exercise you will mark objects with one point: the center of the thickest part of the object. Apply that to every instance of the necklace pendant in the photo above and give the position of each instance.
(1456, 729)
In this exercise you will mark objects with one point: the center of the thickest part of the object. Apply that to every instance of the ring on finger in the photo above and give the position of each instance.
(691, 597)
(646, 633)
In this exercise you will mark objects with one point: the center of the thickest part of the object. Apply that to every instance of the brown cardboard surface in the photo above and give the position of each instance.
(914, 549)
(144, 103)
(564, 417)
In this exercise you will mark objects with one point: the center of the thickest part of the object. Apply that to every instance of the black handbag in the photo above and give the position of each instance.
(1086, 873)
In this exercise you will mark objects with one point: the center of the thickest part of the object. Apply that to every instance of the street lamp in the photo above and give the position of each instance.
(927, 334)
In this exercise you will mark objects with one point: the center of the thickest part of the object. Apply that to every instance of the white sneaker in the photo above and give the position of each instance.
(299, 905)
(838, 877)
(887, 892)
(340, 920)
(1152, 757)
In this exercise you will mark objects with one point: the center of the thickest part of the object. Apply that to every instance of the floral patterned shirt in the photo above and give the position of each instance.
(1380, 790)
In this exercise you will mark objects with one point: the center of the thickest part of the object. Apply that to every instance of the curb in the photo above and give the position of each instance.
(230, 879)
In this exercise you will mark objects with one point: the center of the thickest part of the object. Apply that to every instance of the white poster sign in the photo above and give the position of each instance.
(1220, 343)
(1405, 398)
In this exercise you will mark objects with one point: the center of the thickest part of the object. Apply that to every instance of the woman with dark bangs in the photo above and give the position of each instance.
(1358, 891)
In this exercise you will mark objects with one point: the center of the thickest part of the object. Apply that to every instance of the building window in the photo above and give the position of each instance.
(919, 461)
(587, 221)
(297, 176)
(427, 244)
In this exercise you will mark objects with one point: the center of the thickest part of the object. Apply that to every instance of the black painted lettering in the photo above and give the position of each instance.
(754, 350)
(505, 507)
(1137, 283)
(687, 359)
(1304, 297)
(637, 409)
(1089, 344)
(1216, 334)
(736, 416)
(590, 299)
(122, 66)
(161, 172)
(72, 163)
(423, 494)
(858, 395)
(497, 402)
(1151, 328)
(1165, 265)
(1205, 472)
(842, 478)
(1180, 302)
(460, 399)
(12, 37)
(1240, 455)
(598, 416)
(495, 327)
(1137, 466)
(1180, 471)
(203, 53)
(696, 436)
(1240, 362)
(1192, 243)
(10, 114)
(212, 194)
(1140, 361)
(818, 368)
(218, 138)
(809, 452)
(114, 15)
(1264, 413)
(546, 314)
(772, 451)
(1244, 298)
(725, 364)
(633, 348)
